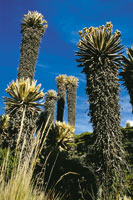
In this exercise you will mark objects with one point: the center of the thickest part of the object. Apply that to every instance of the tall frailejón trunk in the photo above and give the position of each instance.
(100, 53)
(49, 116)
(61, 86)
(32, 28)
(49, 105)
(72, 83)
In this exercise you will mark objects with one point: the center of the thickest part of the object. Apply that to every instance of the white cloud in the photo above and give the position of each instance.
(74, 38)
(42, 66)
(81, 77)
(70, 30)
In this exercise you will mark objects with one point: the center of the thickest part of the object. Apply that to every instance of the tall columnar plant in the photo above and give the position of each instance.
(72, 83)
(100, 55)
(46, 121)
(49, 105)
(127, 73)
(22, 107)
(61, 86)
(32, 28)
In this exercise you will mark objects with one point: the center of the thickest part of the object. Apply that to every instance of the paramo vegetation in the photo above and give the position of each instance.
(41, 157)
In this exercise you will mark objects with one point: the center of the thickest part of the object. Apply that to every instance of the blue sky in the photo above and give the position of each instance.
(57, 48)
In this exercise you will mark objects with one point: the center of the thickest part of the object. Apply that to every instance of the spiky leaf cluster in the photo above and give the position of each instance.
(51, 93)
(61, 78)
(127, 73)
(35, 20)
(64, 135)
(23, 92)
(99, 46)
(72, 80)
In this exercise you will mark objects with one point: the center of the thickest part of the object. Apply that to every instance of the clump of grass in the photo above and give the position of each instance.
(21, 186)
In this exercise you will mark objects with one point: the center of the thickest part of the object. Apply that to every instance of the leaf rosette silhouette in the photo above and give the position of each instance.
(23, 92)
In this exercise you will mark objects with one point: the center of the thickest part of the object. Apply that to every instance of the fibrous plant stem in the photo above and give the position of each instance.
(72, 84)
(61, 86)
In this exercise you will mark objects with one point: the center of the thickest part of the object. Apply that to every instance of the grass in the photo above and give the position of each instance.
(20, 185)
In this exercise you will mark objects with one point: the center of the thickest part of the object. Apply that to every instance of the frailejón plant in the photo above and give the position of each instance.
(33, 27)
(61, 86)
(72, 84)
(100, 55)
(49, 105)
(22, 107)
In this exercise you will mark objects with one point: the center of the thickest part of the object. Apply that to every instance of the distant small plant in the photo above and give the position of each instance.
(67, 84)
(128, 124)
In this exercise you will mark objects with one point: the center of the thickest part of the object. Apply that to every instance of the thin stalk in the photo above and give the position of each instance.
(21, 126)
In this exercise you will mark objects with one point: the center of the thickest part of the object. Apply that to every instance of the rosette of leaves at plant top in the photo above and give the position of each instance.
(72, 80)
(127, 73)
(23, 93)
(34, 19)
(61, 78)
(99, 45)
(51, 94)
(64, 134)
